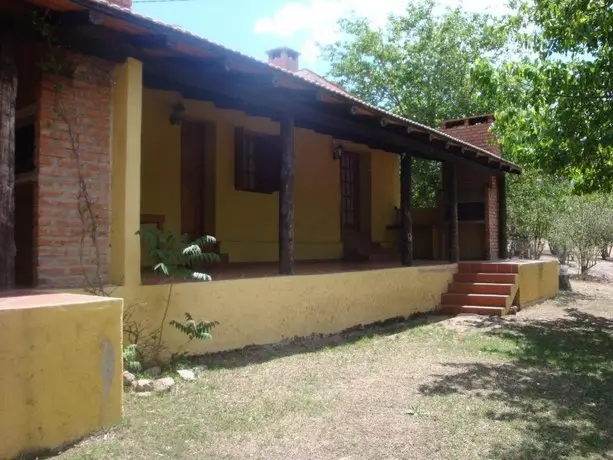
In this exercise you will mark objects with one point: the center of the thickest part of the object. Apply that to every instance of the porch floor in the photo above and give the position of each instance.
(235, 271)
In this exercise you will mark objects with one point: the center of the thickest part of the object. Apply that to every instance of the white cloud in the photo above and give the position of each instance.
(318, 18)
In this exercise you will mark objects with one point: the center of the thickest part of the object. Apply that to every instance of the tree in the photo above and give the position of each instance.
(585, 226)
(554, 110)
(418, 66)
(535, 201)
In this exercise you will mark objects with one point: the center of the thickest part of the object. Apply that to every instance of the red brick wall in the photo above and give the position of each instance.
(65, 249)
(478, 135)
(491, 219)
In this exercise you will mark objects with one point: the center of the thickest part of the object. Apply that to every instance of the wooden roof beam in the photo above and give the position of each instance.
(76, 18)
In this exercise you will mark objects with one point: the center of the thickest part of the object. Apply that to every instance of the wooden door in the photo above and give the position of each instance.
(193, 148)
(350, 192)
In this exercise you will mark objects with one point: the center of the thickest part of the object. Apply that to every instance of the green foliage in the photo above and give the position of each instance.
(195, 330)
(554, 109)
(419, 64)
(534, 202)
(175, 257)
(426, 177)
(131, 360)
(584, 228)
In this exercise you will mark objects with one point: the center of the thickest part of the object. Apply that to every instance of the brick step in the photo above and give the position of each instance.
(472, 309)
(502, 278)
(487, 267)
(487, 300)
(481, 288)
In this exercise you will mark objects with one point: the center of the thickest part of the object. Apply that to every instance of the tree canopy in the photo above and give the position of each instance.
(555, 108)
(418, 65)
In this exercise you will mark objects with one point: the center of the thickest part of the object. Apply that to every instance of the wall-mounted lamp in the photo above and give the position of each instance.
(337, 152)
(177, 114)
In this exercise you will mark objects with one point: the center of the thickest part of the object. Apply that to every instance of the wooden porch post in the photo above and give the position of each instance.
(286, 198)
(454, 243)
(502, 218)
(8, 101)
(406, 233)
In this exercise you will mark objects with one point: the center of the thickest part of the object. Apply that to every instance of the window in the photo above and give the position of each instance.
(473, 211)
(257, 161)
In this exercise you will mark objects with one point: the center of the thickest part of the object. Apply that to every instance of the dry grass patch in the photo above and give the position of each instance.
(532, 386)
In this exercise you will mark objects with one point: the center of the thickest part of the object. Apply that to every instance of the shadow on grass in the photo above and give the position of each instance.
(568, 299)
(558, 386)
(256, 354)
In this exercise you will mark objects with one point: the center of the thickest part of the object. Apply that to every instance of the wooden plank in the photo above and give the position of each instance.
(8, 102)
(502, 218)
(454, 240)
(406, 234)
(286, 198)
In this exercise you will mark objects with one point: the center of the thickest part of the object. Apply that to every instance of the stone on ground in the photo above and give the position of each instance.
(128, 378)
(142, 385)
(187, 375)
(163, 384)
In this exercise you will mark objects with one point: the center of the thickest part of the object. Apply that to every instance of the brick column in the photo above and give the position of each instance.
(126, 182)
(73, 145)
(491, 219)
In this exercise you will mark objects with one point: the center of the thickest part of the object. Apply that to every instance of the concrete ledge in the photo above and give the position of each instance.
(538, 281)
(60, 369)
(257, 311)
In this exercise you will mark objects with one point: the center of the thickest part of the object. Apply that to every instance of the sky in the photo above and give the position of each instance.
(254, 26)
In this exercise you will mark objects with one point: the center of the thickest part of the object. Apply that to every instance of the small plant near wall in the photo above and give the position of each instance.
(195, 330)
(179, 259)
(131, 358)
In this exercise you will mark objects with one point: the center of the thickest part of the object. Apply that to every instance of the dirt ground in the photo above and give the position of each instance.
(529, 386)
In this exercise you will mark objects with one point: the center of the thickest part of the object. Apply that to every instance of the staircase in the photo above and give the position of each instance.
(483, 288)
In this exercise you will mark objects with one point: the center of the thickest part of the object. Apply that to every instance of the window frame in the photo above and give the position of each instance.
(257, 161)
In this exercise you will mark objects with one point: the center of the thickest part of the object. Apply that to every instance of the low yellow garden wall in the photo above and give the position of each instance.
(270, 309)
(538, 280)
(60, 369)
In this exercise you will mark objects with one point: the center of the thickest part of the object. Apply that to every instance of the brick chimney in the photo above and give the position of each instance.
(475, 130)
(284, 57)
(123, 3)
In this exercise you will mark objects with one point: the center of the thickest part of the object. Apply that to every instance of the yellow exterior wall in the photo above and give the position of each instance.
(538, 281)
(161, 161)
(60, 369)
(246, 223)
(267, 310)
(385, 194)
(126, 172)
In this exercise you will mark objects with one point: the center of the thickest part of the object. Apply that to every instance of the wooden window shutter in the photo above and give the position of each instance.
(268, 163)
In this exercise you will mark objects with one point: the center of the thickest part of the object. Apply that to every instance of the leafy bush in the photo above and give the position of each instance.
(195, 330)
(584, 229)
(131, 359)
(177, 258)
(534, 203)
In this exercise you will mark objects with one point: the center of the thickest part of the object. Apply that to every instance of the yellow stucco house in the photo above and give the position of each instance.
(293, 176)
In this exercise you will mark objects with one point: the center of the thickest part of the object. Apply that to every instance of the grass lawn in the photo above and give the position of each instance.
(535, 385)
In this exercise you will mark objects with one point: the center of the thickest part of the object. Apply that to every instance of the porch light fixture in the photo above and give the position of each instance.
(177, 114)
(337, 152)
